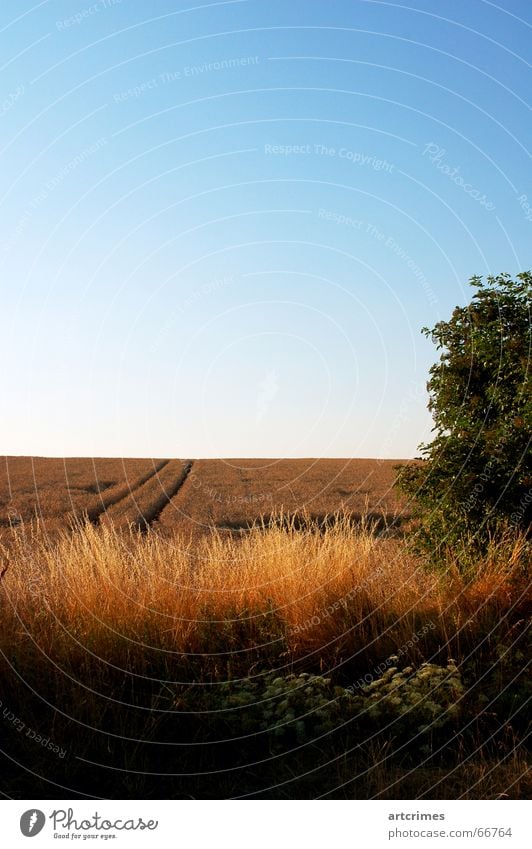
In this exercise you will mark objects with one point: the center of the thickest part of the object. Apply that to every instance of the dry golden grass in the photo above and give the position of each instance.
(507, 778)
(103, 631)
(338, 592)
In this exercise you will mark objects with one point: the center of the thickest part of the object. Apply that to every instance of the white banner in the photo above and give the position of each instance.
(267, 824)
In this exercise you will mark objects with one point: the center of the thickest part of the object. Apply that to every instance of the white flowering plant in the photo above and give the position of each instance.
(420, 700)
(296, 709)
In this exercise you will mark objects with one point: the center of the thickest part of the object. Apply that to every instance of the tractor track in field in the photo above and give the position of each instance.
(120, 492)
(152, 513)
(146, 503)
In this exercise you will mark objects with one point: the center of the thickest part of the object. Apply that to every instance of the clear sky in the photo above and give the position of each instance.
(223, 225)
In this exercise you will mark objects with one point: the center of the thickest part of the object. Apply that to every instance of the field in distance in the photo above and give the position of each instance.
(179, 494)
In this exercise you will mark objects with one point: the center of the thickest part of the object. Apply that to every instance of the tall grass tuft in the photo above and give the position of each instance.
(117, 646)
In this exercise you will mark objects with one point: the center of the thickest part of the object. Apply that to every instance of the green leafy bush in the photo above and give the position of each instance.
(477, 474)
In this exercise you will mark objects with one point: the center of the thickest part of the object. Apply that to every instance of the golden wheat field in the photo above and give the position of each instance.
(173, 495)
(53, 490)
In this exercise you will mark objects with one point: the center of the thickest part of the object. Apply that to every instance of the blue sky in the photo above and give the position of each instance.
(223, 225)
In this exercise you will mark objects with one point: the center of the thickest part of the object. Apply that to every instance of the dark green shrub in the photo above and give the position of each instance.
(477, 474)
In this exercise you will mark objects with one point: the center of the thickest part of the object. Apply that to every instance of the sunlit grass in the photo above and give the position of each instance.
(101, 632)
